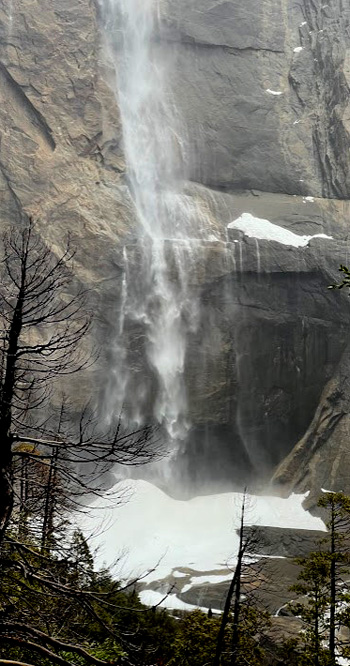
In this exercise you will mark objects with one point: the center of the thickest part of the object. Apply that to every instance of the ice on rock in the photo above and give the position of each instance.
(255, 227)
(274, 92)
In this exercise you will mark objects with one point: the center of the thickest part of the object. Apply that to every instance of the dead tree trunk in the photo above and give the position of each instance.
(234, 590)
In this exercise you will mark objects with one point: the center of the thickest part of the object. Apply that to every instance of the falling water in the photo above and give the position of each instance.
(10, 18)
(156, 293)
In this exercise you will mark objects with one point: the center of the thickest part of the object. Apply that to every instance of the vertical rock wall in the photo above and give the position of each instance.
(263, 90)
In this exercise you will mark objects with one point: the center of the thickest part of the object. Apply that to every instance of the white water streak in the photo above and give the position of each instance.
(10, 17)
(158, 296)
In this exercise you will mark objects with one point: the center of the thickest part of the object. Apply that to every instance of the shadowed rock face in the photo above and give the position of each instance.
(270, 338)
(263, 89)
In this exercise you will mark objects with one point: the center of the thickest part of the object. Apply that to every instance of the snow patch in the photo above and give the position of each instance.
(159, 534)
(298, 49)
(274, 92)
(152, 598)
(209, 580)
(255, 227)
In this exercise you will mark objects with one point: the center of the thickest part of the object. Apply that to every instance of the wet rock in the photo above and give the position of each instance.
(263, 89)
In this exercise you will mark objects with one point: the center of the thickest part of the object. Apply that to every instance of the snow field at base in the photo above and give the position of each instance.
(171, 601)
(255, 227)
(207, 580)
(155, 535)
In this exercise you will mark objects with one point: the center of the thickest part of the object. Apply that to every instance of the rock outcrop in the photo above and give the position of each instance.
(263, 90)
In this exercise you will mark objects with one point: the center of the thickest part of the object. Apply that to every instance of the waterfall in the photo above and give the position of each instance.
(157, 299)
(10, 18)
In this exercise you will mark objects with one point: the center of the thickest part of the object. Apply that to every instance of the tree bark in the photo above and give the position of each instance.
(332, 588)
(6, 399)
(49, 509)
(316, 628)
(237, 605)
(6, 483)
(233, 586)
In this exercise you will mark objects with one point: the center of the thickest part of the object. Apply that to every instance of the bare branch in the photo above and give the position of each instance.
(37, 648)
(24, 628)
(10, 662)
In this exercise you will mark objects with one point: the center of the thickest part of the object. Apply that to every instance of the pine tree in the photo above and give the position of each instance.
(337, 543)
(313, 585)
(323, 584)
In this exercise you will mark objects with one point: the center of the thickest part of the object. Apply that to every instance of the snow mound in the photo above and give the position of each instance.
(153, 598)
(159, 533)
(256, 227)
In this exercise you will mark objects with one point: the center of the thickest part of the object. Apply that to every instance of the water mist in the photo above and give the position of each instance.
(157, 299)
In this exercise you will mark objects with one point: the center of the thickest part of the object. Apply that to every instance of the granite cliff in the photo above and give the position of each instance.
(263, 88)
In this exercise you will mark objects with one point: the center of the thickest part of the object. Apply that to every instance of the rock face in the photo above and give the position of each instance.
(60, 132)
(271, 337)
(60, 159)
(263, 90)
(321, 457)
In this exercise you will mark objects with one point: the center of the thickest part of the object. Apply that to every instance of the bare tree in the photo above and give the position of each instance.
(46, 461)
(244, 613)
(233, 591)
(69, 468)
(44, 318)
(41, 328)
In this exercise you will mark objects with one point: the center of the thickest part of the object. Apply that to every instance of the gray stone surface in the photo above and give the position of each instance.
(60, 159)
(230, 54)
(273, 572)
(321, 459)
(271, 337)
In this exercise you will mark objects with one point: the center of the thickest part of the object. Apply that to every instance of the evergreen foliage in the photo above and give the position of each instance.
(63, 606)
(324, 588)
(345, 282)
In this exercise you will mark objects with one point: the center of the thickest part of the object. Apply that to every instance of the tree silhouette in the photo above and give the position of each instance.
(46, 456)
(44, 319)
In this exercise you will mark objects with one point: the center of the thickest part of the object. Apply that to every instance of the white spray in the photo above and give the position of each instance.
(10, 17)
(158, 295)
